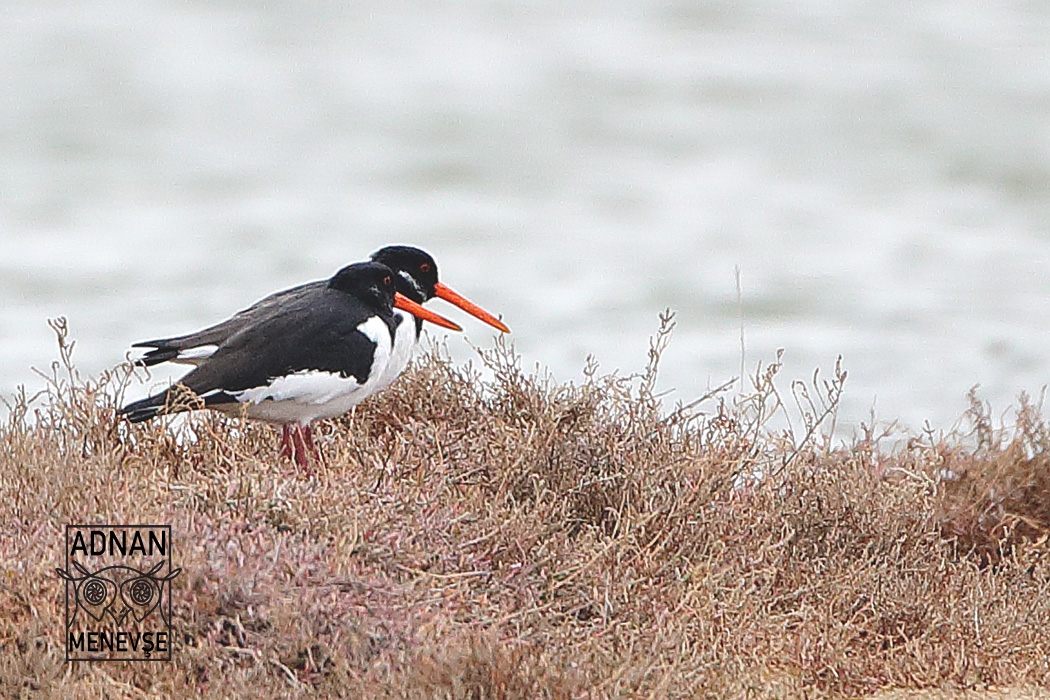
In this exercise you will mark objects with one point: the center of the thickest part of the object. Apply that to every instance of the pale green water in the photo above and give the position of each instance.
(880, 172)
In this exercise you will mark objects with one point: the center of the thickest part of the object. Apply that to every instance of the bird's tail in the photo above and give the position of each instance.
(172, 400)
(143, 410)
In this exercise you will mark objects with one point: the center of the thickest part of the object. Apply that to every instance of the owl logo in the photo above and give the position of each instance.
(118, 591)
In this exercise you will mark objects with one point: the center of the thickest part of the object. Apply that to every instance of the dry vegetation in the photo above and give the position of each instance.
(517, 538)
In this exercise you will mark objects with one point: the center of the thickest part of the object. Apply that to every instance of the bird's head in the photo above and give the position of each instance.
(416, 274)
(416, 277)
(374, 285)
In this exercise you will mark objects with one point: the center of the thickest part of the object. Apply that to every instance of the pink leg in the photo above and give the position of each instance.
(298, 447)
(308, 437)
(286, 444)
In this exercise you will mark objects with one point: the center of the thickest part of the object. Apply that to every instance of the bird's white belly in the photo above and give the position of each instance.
(313, 394)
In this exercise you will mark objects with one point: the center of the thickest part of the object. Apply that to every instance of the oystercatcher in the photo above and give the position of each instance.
(416, 277)
(314, 355)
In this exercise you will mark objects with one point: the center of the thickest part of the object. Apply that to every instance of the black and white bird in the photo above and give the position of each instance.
(307, 353)
(416, 277)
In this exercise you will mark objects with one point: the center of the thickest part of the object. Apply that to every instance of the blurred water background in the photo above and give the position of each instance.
(878, 171)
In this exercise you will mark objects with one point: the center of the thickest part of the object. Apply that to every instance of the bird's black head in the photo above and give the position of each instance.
(415, 272)
(372, 283)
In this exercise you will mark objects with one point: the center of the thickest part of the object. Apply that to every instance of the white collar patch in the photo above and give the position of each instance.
(412, 281)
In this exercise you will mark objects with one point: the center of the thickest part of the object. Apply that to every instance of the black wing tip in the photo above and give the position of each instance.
(140, 411)
(166, 403)
(155, 357)
(141, 416)
(159, 351)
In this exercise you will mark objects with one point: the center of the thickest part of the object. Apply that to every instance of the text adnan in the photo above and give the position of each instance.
(98, 543)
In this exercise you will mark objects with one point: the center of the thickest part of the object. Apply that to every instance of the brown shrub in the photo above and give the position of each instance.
(491, 533)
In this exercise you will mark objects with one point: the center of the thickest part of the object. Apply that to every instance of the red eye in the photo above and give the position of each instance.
(386, 280)
(425, 267)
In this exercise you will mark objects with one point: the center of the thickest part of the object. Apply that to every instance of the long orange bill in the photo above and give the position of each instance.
(443, 292)
(404, 303)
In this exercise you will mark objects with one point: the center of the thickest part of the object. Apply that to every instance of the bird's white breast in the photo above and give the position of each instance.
(404, 343)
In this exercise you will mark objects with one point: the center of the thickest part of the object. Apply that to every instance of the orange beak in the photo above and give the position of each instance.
(443, 292)
(405, 304)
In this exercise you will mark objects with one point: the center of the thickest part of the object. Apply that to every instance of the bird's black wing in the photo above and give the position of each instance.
(315, 334)
(170, 349)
